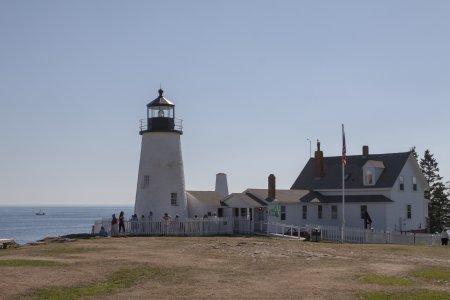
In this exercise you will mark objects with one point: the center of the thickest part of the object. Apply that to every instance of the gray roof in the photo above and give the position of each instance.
(209, 198)
(247, 199)
(332, 179)
(160, 101)
(350, 198)
(283, 196)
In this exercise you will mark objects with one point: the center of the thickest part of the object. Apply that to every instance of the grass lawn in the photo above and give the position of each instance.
(223, 268)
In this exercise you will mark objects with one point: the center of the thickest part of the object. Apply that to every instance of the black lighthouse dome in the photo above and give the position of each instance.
(160, 101)
(161, 116)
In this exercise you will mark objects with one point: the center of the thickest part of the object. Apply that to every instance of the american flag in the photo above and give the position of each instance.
(344, 150)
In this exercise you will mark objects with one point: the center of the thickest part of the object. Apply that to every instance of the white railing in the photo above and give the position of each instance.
(366, 236)
(220, 226)
(188, 227)
(177, 125)
(279, 229)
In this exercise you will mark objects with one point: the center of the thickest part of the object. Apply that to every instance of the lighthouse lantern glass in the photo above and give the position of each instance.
(161, 112)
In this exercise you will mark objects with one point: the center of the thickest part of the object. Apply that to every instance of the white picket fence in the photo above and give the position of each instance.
(188, 227)
(221, 226)
(365, 236)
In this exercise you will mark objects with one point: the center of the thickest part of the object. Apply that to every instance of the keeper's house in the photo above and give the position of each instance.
(383, 191)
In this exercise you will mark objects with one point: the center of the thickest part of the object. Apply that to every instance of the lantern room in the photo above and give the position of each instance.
(161, 116)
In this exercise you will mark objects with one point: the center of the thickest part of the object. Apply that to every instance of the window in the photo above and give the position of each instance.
(244, 212)
(363, 211)
(402, 183)
(304, 212)
(369, 177)
(408, 211)
(334, 212)
(236, 212)
(319, 212)
(283, 212)
(414, 184)
(220, 212)
(145, 181)
(173, 199)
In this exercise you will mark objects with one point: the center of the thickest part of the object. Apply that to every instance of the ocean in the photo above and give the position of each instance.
(21, 223)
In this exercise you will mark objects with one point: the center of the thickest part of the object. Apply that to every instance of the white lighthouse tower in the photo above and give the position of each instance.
(160, 187)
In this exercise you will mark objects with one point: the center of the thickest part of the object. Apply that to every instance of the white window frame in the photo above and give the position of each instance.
(304, 212)
(369, 176)
(401, 181)
(334, 214)
(145, 181)
(282, 212)
(174, 199)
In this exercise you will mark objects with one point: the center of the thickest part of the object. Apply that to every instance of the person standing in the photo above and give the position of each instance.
(122, 222)
(444, 237)
(167, 217)
(113, 225)
(143, 225)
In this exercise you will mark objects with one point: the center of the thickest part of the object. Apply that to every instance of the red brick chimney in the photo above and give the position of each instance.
(271, 191)
(365, 151)
(318, 162)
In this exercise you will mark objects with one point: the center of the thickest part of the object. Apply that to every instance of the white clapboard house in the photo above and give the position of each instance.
(383, 191)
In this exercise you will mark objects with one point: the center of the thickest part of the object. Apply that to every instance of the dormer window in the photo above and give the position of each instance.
(402, 183)
(369, 177)
(414, 180)
(372, 171)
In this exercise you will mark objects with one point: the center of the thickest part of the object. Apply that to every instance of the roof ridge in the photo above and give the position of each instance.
(370, 154)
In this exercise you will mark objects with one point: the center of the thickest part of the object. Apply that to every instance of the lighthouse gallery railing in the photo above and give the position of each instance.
(178, 125)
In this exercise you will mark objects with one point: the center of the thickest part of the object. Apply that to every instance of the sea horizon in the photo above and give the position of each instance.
(22, 224)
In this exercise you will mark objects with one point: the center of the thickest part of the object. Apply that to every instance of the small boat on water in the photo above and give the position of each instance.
(40, 213)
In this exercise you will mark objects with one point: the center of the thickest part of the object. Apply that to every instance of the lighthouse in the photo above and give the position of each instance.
(160, 187)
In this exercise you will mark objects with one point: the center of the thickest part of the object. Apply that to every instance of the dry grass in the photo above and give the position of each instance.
(223, 268)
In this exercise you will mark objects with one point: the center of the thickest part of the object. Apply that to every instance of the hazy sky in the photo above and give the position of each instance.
(252, 81)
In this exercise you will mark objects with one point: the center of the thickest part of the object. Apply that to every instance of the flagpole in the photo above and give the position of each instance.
(343, 162)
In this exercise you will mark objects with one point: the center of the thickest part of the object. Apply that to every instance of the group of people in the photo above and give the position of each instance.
(121, 224)
(134, 221)
(167, 217)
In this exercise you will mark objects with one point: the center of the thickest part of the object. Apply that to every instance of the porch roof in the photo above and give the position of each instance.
(242, 200)
(315, 197)
(208, 198)
(283, 196)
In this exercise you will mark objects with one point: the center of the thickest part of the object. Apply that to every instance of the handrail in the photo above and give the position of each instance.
(178, 124)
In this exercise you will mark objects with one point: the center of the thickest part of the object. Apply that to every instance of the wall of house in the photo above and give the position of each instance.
(375, 210)
(195, 207)
(396, 216)
(294, 215)
(199, 209)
